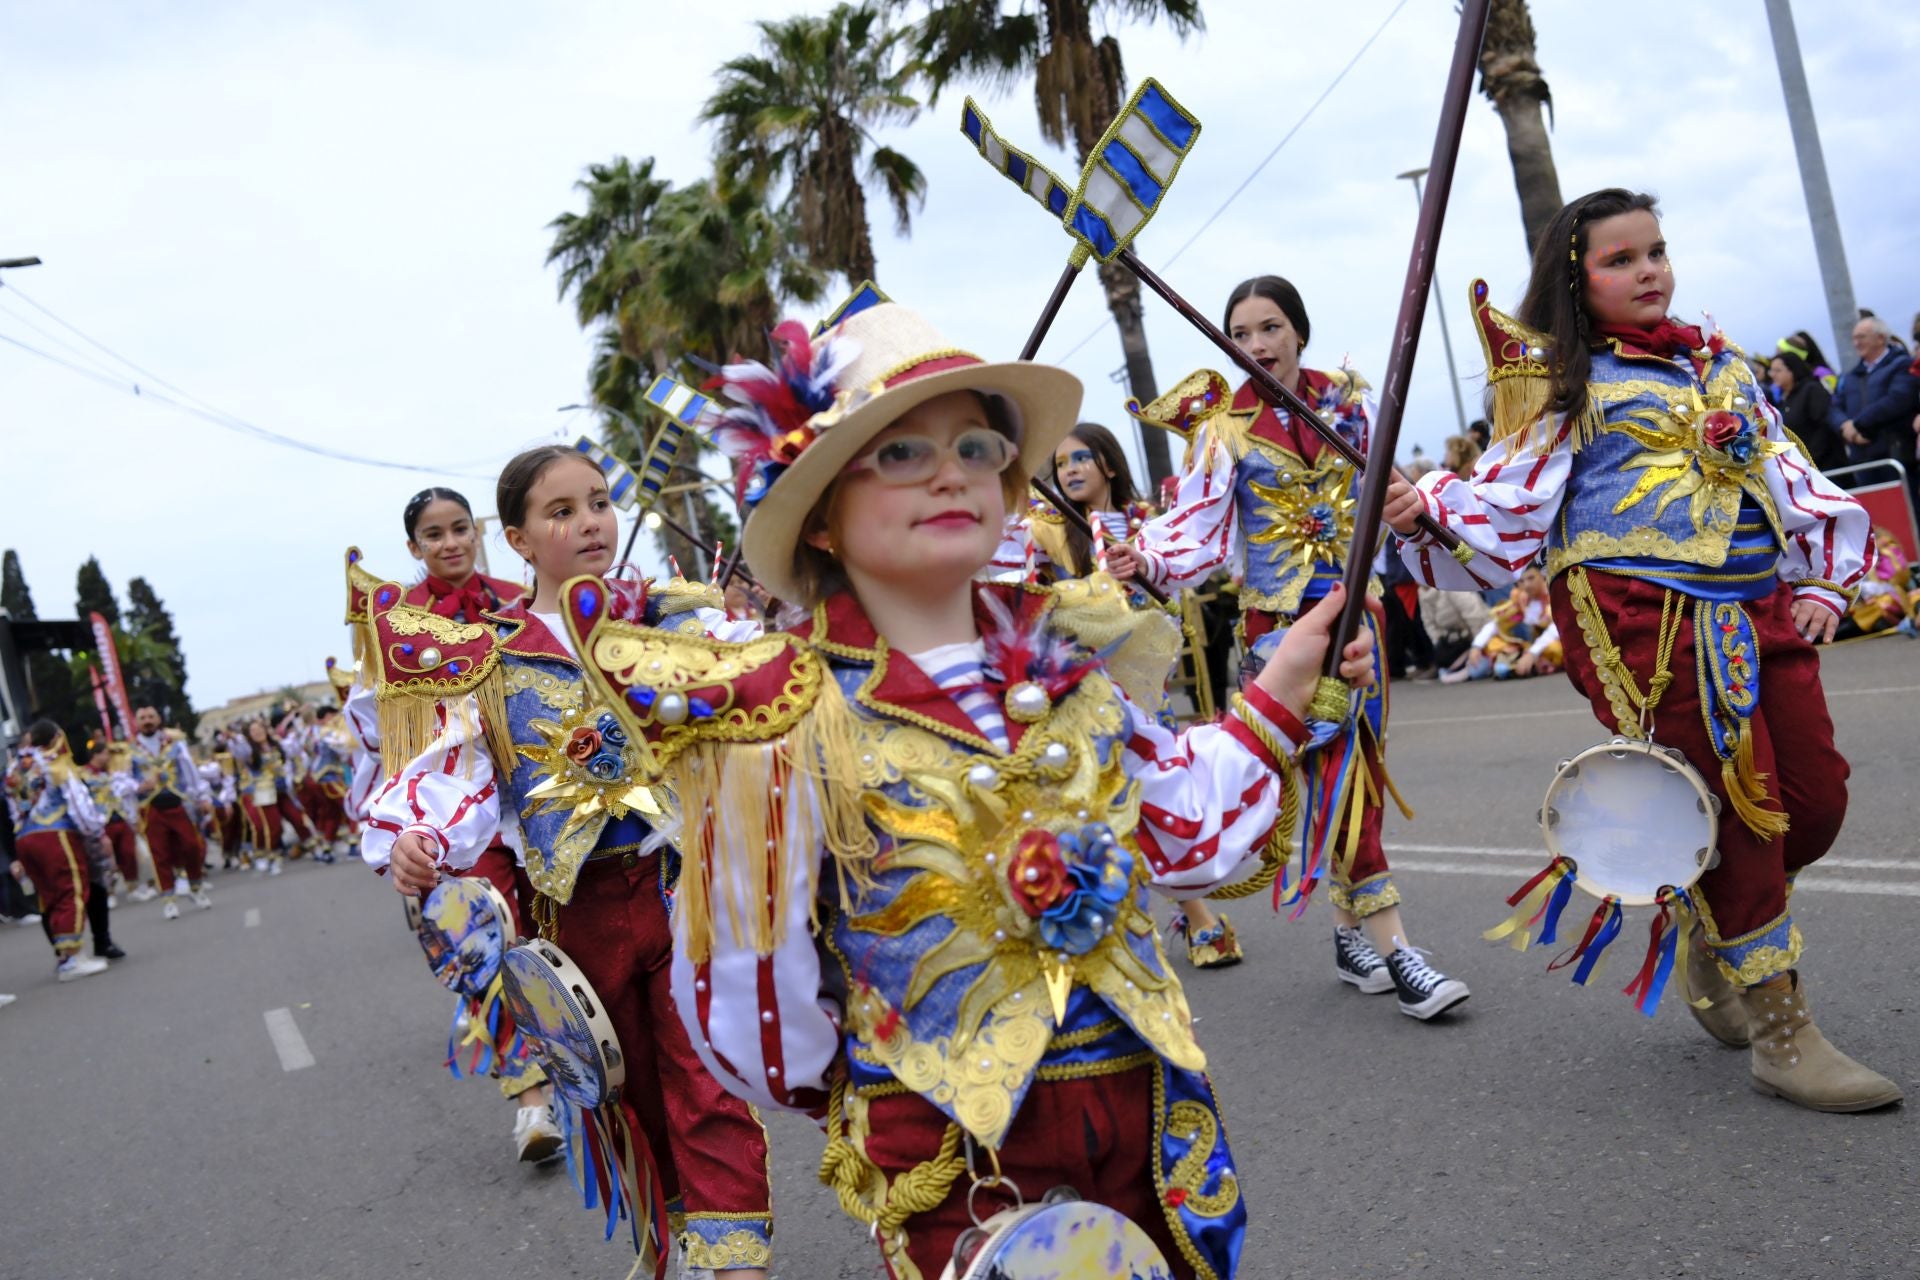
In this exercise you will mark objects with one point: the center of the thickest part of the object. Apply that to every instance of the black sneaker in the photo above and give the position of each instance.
(111, 952)
(1356, 962)
(1425, 992)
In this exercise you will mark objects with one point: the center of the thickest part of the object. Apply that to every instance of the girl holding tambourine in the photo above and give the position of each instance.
(486, 728)
(1697, 556)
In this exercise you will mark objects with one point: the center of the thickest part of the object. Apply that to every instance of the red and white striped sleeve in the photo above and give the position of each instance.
(449, 792)
(1200, 533)
(363, 764)
(764, 1025)
(1829, 536)
(1504, 513)
(1016, 553)
(1209, 796)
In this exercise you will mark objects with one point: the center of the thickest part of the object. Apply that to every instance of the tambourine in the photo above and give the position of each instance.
(1062, 1235)
(566, 1026)
(414, 906)
(1633, 818)
(465, 928)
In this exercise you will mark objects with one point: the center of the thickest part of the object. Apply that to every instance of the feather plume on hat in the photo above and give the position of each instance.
(767, 425)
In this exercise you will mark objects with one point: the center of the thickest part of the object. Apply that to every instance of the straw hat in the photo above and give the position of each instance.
(795, 427)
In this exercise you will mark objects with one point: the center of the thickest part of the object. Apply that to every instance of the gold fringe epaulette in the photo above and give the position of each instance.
(360, 588)
(684, 595)
(753, 740)
(424, 662)
(1520, 378)
(1141, 645)
(1194, 399)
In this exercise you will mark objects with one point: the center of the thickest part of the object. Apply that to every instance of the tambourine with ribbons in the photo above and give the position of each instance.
(1633, 824)
(465, 927)
(570, 1035)
(1061, 1235)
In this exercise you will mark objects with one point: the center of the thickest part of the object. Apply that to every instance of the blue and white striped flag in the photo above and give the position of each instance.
(683, 407)
(677, 400)
(621, 486)
(1129, 170)
(1022, 169)
(867, 295)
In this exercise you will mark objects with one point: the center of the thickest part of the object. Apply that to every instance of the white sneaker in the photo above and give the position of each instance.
(6, 1000)
(113, 902)
(535, 1136)
(142, 893)
(170, 909)
(181, 888)
(274, 870)
(26, 921)
(202, 899)
(79, 967)
(261, 864)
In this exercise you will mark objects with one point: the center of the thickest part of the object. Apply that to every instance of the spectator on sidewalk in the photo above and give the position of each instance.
(1804, 401)
(1873, 407)
(1452, 619)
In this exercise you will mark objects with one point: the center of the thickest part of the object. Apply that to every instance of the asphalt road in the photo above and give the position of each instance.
(148, 1127)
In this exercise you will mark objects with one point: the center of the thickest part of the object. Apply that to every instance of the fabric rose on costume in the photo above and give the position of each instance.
(1729, 433)
(1099, 878)
(1038, 873)
(582, 745)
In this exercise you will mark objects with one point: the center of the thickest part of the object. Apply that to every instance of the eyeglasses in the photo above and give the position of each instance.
(916, 459)
(1078, 458)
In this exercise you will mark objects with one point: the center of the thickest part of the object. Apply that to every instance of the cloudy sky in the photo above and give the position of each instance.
(329, 220)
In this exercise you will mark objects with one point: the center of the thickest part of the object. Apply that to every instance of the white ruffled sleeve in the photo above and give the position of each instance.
(449, 792)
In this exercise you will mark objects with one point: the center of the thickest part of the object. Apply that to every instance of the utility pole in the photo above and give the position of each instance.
(1440, 304)
(1832, 255)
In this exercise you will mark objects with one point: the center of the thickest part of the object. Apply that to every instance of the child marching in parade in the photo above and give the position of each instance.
(489, 733)
(1696, 557)
(965, 787)
(53, 814)
(1264, 489)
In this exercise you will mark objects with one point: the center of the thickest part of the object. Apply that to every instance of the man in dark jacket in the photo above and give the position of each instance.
(1874, 404)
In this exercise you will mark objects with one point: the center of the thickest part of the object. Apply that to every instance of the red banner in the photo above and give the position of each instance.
(110, 659)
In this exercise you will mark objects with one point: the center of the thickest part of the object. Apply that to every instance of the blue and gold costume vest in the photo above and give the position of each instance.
(1296, 517)
(1000, 933)
(1669, 484)
(43, 803)
(162, 767)
(564, 765)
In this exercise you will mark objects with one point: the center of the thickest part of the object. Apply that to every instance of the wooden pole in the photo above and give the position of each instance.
(1406, 331)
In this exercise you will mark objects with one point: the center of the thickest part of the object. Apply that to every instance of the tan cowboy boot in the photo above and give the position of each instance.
(1792, 1060)
(1725, 1017)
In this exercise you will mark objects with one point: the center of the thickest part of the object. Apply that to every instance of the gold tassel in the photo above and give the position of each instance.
(740, 802)
(1519, 405)
(1747, 789)
(410, 725)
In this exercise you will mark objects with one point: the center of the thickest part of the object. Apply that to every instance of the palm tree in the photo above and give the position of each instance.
(1510, 77)
(1079, 85)
(802, 111)
(663, 273)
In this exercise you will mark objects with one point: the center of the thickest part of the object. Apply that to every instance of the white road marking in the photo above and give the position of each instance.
(1484, 851)
(287, 1040)
(1808, 880)
(253, 918)
(1863, 693)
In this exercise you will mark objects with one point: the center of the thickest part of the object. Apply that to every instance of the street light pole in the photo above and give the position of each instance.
(1440, 304)
(1828, 250)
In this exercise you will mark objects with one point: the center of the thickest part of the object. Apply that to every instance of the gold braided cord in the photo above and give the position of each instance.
(920, 1189)
(1331, 697)
(1279, 847)
(1632, 709)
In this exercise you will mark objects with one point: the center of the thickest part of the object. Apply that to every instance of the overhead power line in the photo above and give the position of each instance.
(183, 401)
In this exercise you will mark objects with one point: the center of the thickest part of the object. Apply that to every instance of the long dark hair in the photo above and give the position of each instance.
(1112, 459)
(1802, 342)
(519, 476)
(417, 506)
(1280, 292)
(1556, 302)
(1802, 374)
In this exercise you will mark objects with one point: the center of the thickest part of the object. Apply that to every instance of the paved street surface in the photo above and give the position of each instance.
(163, 1120)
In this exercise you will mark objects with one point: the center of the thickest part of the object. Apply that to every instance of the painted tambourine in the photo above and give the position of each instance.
(566, 1026)
(1633, 818)
(465, 928)
(1062, 1235)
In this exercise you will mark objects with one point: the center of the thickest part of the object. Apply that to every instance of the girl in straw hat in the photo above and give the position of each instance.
(919, 829)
